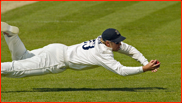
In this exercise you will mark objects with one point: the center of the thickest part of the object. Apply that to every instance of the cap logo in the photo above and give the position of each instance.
(117, 32)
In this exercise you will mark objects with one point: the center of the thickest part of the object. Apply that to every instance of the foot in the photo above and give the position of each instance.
(8, 29)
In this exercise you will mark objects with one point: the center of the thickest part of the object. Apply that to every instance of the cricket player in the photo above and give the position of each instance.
(56, 57)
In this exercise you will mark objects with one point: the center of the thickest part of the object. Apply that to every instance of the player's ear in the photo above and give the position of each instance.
(107, 43)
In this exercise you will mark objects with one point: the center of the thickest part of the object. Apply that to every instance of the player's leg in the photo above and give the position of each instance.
(50, 60)
(16, 46)
(35, 66)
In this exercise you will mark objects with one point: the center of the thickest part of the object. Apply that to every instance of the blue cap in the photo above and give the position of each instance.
(112, 35)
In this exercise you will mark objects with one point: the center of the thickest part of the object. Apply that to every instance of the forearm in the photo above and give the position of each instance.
(126, 71)
(119, 69)
(133, 52)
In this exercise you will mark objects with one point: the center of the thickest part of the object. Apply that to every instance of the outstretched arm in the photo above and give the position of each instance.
(132, 52)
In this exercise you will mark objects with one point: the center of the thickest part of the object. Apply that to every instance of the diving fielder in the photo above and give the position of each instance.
(56, 58)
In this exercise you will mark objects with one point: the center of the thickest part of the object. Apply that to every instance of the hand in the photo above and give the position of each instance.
(151, 66)
(155, 70)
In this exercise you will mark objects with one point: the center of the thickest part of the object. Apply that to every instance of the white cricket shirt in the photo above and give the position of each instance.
(93, 53)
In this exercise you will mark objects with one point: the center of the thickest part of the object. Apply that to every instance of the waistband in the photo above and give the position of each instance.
(65, 56)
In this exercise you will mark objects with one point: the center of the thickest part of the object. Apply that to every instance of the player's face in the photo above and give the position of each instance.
(115, 46)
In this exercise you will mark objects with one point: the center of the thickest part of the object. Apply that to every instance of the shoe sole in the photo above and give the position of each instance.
(6, 27)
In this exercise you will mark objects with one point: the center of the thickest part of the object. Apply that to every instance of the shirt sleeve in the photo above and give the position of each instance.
(111, 64)
(133, 52)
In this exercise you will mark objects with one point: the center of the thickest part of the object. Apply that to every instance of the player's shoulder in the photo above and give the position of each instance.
(98, 39)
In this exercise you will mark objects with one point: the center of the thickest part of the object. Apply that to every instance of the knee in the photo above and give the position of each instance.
(57, 70)
(24, 55)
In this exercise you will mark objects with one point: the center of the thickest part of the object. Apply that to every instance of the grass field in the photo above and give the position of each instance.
(153, 27)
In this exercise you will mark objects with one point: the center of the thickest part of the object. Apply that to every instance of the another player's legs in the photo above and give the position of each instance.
(16, 46)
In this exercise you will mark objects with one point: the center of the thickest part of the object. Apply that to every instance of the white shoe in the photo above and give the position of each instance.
(8, 29)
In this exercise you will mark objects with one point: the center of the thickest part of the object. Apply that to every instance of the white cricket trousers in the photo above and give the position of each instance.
(46, 60)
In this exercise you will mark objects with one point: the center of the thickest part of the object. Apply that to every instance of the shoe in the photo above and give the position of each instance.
(8, 29)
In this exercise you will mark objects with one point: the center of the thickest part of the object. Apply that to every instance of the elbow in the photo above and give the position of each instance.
(121, 71)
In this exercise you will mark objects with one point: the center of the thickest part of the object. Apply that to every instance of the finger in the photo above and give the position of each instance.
(155, 70)
(153, 61)
(156, 65)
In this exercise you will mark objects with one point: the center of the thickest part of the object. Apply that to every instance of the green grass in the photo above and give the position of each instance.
(153, 27)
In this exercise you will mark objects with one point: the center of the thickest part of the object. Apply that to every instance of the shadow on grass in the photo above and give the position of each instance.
(139, 89)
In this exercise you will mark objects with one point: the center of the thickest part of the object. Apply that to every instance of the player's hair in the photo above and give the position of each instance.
(102, 41)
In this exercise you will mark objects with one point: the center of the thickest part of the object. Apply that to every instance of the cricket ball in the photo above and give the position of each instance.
(157, 62)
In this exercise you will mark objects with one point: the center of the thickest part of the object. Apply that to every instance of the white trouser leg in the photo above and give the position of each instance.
(17, 47)
(7, 66)
(37, 65)
(50, 59)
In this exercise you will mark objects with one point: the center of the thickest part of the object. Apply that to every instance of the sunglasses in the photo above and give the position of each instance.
(115, 42)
